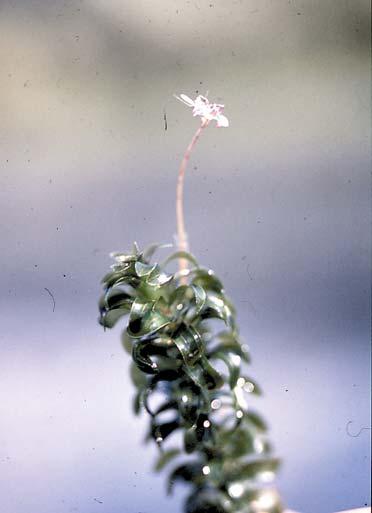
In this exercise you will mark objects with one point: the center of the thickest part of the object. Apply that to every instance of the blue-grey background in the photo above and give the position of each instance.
(278, 205)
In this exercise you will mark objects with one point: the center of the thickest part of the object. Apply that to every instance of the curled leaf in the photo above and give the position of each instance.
(190, 472)
(165, 458)
(177, 255)
(188, 378)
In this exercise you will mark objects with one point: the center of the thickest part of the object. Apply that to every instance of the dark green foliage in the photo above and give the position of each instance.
(188, 378)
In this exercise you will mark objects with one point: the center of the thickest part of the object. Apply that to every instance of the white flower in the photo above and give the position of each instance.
(207, 111)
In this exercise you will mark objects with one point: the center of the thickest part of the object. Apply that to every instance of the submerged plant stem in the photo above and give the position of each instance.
(181, 232)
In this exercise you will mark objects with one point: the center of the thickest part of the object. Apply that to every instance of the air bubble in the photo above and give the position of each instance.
(258, 446)
(266, 476)
(266, 501)
(206, 470)
(215, 404)
(236, 359)
(249, 387)
(236, 490)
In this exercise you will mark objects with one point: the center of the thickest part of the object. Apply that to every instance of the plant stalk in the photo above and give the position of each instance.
(181, 232)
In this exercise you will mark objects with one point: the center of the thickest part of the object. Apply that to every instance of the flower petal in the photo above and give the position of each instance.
(222, 121)
(206, 110)
(185, 99)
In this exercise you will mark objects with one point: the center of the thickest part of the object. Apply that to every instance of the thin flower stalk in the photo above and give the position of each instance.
(208, 112)
(181, 232)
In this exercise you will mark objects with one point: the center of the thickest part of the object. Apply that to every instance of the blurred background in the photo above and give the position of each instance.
(278, 205)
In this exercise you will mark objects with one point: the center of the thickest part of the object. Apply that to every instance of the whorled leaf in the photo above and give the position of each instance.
(206, 279)
(237, 471)
(189, 379)
(151, 249)
(189, 472)
(145, 319)
(256, 420)
(208, 500)
(177, 255)
(189, 344)
(160, 432)
(143, 269)
(165, 458)
(230, 341)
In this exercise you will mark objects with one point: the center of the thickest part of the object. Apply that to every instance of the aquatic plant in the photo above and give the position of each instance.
(188, 367)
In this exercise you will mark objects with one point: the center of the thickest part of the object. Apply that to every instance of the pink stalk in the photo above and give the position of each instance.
(181, 233)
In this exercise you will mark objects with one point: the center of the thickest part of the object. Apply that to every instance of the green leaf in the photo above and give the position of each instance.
(139, 379)
(150, 250)
(137, 402)
(144, 269)
(113, 305)
(208, 501)
(168, 405)
(166, 375)
(124, 276)
(236, 442)
(109, 318)
(145, 319)
(196, 433)
(200, 299)
(190, 472)
(190, 439)
(233, 364)
(158, 279)
(165, 458)
(162, 431)
(189, 344)
(217, 307)
(231, 342)
(251, 470)
(115, 298)
(123, 258)
(211, 376)
(136, 249)
(181, 299)
(141, 358)
(180, 255)
(256, 420)
(204, 375)
(127, 342)
(207, 280)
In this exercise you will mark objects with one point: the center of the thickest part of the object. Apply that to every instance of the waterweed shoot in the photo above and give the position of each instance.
(189, 367)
